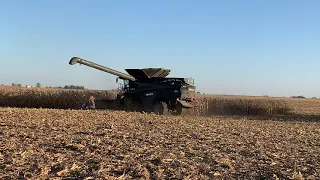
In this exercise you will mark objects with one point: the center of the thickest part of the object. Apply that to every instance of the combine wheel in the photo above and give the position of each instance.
(177, 110)
(128, 102)
(161, 108)
(132, 103)
(136, 106)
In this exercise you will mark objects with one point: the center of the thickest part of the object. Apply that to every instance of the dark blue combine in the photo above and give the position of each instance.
(149, 89)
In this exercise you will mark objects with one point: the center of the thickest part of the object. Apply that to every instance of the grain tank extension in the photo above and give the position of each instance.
(149, 89)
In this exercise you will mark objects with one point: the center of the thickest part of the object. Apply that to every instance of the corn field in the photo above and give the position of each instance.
(47, 97)
(70, 99)
(215, 105)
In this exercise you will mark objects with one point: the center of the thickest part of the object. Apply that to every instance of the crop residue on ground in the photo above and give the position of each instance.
(43, 143)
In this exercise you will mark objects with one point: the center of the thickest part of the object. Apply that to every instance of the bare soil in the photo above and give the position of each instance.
(105, 144)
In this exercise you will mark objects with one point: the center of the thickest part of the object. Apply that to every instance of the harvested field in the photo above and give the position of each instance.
(70, 144)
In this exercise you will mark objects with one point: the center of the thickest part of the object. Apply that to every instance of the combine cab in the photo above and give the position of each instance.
(149, 89)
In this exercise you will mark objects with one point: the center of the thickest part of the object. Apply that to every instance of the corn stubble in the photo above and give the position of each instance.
(70, 99)
(92, 144)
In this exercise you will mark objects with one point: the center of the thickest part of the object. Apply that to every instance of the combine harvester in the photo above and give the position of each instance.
(148, 89)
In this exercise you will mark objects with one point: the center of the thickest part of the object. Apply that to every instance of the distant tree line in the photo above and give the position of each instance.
(20, 85)
(297, 96)
(68, 87)
(16, 85)
(59, 87)
(73, 87)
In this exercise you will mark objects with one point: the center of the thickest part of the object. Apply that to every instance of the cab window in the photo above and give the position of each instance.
(126, 83)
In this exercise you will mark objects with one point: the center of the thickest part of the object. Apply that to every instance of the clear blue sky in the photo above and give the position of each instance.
(228, 47)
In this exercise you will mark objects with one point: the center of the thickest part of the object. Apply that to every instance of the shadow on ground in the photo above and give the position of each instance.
(284, 116)
(287, 116)
(290, 117)
(106, 104)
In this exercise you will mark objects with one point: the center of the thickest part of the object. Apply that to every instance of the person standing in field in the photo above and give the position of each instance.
(90, 104)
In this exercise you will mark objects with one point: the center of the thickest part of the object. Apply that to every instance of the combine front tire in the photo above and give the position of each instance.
(161, 108)
(177, 110)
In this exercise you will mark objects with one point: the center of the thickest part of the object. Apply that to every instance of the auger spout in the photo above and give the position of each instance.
(76, 60)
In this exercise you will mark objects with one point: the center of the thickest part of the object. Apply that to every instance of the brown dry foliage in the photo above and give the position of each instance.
(224, 105)
(48, 97)
(207, 105)
(70, 144)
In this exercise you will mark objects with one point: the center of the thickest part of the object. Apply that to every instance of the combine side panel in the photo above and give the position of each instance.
(147, 98)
